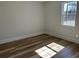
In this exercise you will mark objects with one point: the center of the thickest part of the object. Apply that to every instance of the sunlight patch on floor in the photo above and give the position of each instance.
(45, 52)
(55, 46)
(50, 50)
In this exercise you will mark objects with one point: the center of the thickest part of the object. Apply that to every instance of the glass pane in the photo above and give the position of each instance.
(71, 7)
(65, 7)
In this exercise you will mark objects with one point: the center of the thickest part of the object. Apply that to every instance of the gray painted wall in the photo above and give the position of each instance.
(20, 18)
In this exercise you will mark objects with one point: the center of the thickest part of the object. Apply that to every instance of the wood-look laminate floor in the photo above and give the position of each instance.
(26, 48)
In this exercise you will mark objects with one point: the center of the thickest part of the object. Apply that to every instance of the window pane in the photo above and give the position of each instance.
(71, 8)
(65, 7)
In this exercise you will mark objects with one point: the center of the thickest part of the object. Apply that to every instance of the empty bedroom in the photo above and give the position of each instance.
(39, 29)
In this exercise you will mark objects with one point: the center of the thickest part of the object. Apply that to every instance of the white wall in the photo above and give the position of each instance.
(20, 18)
(53, 23)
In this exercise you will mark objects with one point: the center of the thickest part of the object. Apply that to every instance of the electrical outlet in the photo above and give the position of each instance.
(76, 35)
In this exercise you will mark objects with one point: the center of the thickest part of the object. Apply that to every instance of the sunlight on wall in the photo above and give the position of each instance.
(49, 50)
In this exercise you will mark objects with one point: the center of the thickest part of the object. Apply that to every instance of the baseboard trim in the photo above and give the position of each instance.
(39, 33)
(64, 37)
(19, 37)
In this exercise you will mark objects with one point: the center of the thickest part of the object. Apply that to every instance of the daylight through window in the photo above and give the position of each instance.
(49, 50)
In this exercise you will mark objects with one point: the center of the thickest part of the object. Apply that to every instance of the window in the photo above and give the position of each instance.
(69, 13)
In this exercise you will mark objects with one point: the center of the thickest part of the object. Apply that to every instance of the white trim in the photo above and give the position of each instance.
(19, 37)
(39, 33)
(64, 37)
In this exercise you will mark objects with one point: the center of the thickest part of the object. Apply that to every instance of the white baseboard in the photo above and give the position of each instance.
(39, 33)
(19, 37)
(64, 37)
